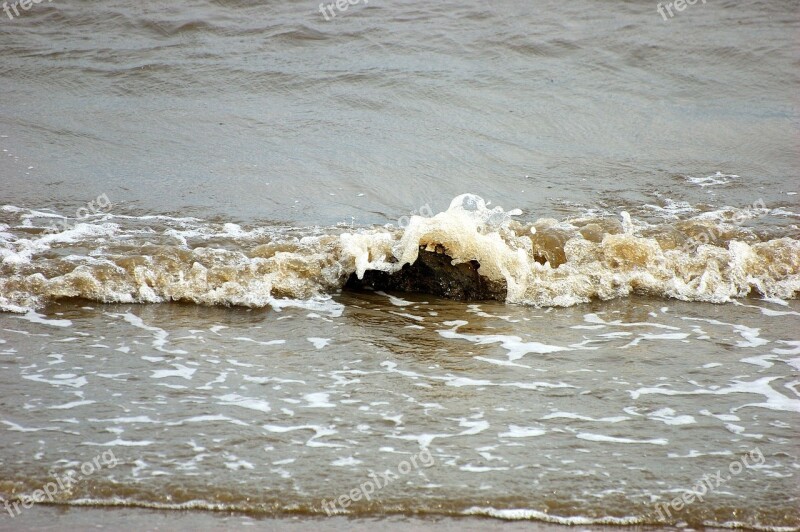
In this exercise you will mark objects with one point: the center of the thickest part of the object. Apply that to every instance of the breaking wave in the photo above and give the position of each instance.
(708, 257)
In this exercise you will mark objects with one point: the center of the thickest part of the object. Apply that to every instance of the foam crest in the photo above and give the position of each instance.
(544, 263)
(468, 231)
(552, 263)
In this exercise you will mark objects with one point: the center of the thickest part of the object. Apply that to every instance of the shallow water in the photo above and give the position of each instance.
(596, 411)
(185, 190)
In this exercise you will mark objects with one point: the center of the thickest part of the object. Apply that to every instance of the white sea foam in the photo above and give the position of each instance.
(775, 400)
(614, 439)
(544, 263)
(234, 399)
(515, 431)
(66, 379)
(121, 443)
(319, 432)
(717, 179)
(318, 400)
(72, 404)
(513, 344)
(180, 371)
(34, 317)
(319, 343)
(667, 416)
(519, 514)
(570, 415)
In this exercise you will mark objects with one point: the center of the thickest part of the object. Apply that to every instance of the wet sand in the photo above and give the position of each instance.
(54, 517)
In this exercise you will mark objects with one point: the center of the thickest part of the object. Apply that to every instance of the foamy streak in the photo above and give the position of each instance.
(520, 514)
(525, 514)
(547, 263)
(613, 264)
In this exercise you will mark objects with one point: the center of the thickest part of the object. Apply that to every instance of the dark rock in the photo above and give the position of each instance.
(433, 273)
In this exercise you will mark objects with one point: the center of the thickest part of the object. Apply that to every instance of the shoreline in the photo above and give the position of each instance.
(134, 519)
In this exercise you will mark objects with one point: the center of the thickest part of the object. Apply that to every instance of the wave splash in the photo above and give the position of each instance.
(548, 262)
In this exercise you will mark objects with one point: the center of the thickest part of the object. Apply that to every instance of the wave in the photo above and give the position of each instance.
(469, 251)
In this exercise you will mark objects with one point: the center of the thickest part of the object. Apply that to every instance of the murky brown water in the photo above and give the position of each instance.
(596, 411)
(185, 190)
